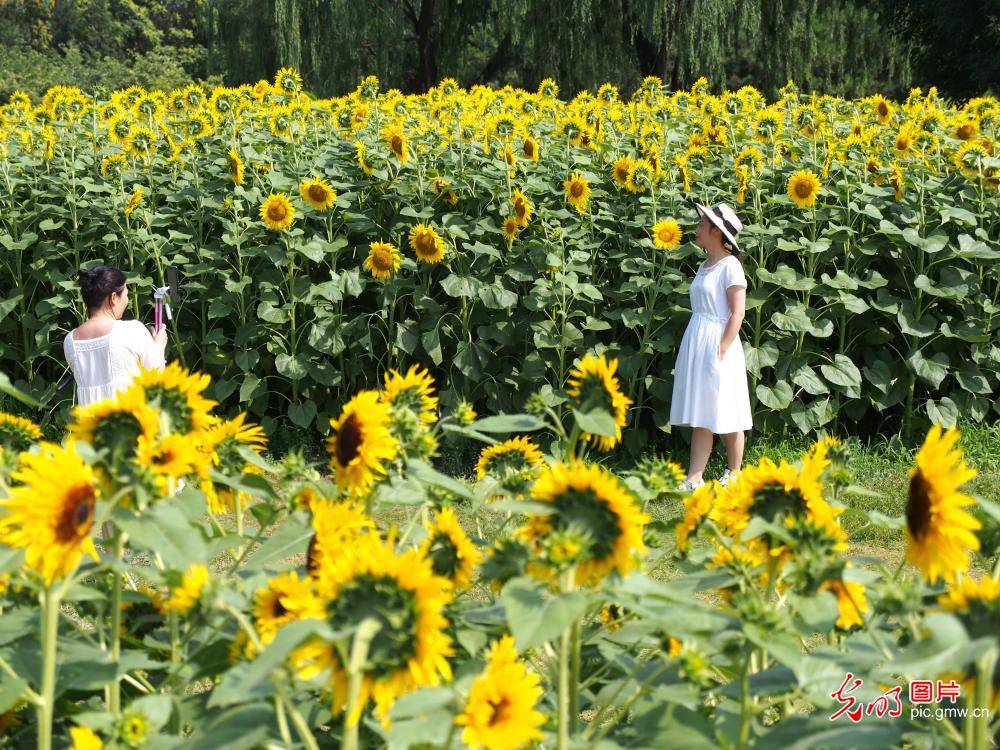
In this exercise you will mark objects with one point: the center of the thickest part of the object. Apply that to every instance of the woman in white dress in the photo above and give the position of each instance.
(106, 352)
(711, 393)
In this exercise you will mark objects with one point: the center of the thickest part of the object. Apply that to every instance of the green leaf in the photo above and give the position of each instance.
(302, 413)
(944, 412)
(508, 423)
(933, 370)
(596, 422)
(165, 530)
(460, 286)
(536, 617)
(10, 390)
(425, 473)
(777, 396)
(843, 372)
(242, 681)
(241, 728)
(290, 539)
(943, 649)
(807, 379)
(293, 368)
(11, 691)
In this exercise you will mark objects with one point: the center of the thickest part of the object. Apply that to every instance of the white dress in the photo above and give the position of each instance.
(708, 392)
(105, 365)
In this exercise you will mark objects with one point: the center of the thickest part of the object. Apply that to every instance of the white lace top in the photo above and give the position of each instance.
(105, 365)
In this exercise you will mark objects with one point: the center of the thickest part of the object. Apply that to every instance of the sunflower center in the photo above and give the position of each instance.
(443, 555)
(118, 433)
(174, 404)
(394, 608)
(382, 260)
(279, 609)
(576, 189)
(773, 501)
(318, 193)
(622, 173)
(803, 188)
(349, 438)
(666, 234)
(77, 514)
(276, 212)
(583, 511)
(312, 563)
(397, 143)
(501, 711)
(918, 506)
(883, 109)
(529, 149)
(520, 208)
(425, 244)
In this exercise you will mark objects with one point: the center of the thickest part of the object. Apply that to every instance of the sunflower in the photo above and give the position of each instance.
(501, 710)
(897, 180)
(134, 200)
(777, 493)
(971, 156)
(177, 394)
(383, 260)
(84, 738)
(529, 147)
(939, 531)
(287, 80)
(511, 227)
(851, 602)
(590, 505)
(361, 443)
(17, 433)
(620, 170)
(666, 234)
(394, 136)
(367, 579)
(113, 165)
(514, 456)
(803, 188)
(235, 167)
(359, 157)
(427, 243)
(186, 594)
(318, 194)
(115, 425)
(593, 385)
(219, 446)
(883, 109)
(978, 604)
(413, 391)
(697, 506)
(169, 459)
(286, 598)
(452, 554)
(277, 212)
(335, 524)
(50, 511)
(641, 176)
(577, 191)
(522, 208)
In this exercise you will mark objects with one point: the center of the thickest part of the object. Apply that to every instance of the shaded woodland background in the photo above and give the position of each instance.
(845, 47)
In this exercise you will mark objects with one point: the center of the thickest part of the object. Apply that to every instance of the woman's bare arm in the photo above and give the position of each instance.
(737, 296)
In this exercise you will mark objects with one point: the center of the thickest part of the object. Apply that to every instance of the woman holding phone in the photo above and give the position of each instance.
(106, 352)
(711, 393)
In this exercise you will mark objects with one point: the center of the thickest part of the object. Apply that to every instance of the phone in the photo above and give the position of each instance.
(174, 284)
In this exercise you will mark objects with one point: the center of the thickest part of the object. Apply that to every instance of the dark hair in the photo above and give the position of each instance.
(98, 283)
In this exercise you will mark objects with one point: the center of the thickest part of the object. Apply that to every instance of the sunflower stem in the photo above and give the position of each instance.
(355, 677)
(50, 635)
(568, 694)
(981, 700)
(175, 660)
(115, 696)
(746, 713)
(279, 710)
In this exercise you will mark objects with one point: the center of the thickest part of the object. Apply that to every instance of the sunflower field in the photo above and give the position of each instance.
(491, 235)
(163, 585)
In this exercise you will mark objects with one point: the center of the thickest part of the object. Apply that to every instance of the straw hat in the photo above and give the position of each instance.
(723, 217)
